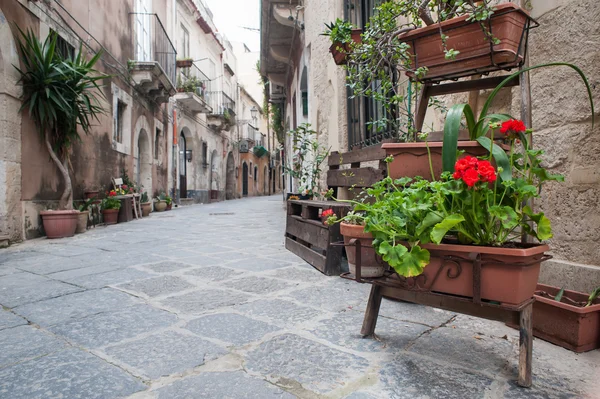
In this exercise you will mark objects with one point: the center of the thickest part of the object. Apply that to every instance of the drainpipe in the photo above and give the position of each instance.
(174, 156)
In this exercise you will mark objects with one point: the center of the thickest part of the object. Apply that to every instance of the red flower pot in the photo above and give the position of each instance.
(340, 51)
(371, 265)
(110, 216)
(59, 224)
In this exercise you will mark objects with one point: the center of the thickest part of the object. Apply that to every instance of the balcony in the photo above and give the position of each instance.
(153, 66)
(193, 90)
(223, 110)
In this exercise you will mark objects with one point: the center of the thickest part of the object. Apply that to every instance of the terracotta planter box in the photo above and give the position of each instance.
(110, 216)
(340, 51)
(411, 160)
(82, 221)
(90, 194)
(508, 275)
(184, 63)
(508, 24)
(371, 264)
(59, 224)
(572, 327)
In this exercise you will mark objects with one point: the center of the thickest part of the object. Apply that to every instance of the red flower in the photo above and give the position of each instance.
(470, 177)
(512, 127)
(486, 171)
(124, 186)
(112, 193)
(327, 213)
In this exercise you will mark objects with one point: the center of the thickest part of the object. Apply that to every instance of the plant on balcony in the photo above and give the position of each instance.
(343, 36)
(61, 95)
(184, 62)
(191, 84)
(309, 156)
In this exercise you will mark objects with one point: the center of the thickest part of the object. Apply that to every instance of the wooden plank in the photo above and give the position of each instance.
(470, 85)
(333, 266)
(359, 177)
(525, 346)
(423, 102)
(372, 311)
(318, 261)
(374, 153)
(312, 233)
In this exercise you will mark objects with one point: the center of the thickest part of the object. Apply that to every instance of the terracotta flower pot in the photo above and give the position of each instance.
(169, 206)
(82, 221)
(508, 24)
(573, 327)
(371, 266)
(160, 206)
(340, 51)
(184, 63)
(110, 216)
(59, 224)
(90, 194)
(411, 159)
(508, 275)
(146, 208)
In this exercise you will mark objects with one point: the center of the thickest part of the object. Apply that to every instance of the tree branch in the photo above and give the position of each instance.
(424, 13)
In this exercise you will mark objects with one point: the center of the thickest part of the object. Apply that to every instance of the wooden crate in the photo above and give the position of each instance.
(307, 236)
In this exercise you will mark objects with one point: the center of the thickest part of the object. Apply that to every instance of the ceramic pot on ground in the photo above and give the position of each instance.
(371, 265)
(169, 206)
(508, 275)
(160, 206)
(110, 216)
(82, 221)
(146, 208)
(59, 224)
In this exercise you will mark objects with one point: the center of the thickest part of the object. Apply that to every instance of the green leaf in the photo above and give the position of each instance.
(507, 216)
(502, 160)
(451, 131)
(441, 229)
(412, 262)
(559, 296)
(544, 229)
(391, 254)
(595, 294)
(429, 220)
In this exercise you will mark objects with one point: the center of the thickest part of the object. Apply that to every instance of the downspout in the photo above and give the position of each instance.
(174, 155)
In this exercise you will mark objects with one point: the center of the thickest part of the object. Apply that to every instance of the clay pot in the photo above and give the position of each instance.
(184, 63)
(90, 194)
(469, 39)
(160, 206)
(82, 221)
(508, 275)
(146, 208)
(340, 51)
(59, 224)
(370, 266)
(572, 327)
(411, 159)
(110, 216)
(169, 206)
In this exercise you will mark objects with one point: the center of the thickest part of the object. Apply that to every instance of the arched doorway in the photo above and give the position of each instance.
(229, 178)
(266, 181)
(182, 167)
(144, 161)
(245, 180)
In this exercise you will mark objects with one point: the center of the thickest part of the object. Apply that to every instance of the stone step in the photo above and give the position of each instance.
(186, 201)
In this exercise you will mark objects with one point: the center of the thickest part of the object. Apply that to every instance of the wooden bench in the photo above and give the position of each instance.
(310, 239)
(355, 176)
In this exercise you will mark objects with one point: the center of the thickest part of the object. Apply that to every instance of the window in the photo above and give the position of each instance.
(204, 154)
(185, 42)
(255, 173)
(304, 103)
(121, 107)
(156, 142)
(64, 48)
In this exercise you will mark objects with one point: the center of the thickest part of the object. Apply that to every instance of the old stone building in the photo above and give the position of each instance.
(304, 78)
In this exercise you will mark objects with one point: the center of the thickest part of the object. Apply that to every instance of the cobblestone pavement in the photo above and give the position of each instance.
(205, 302)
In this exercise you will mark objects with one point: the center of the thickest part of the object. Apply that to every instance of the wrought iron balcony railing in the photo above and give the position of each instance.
(221, 103)
(193, 80)
(152, 44)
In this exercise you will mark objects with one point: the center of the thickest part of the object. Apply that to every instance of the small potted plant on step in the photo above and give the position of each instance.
(84, 215)
(160, 203)
(146, 204)
(169, 201)
(110, 208)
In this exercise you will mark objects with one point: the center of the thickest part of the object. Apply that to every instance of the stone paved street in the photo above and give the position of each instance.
(205, 302)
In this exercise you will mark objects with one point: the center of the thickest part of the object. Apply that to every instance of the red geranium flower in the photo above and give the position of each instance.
(470, 177)
(486, 171)
(512, 127)
(471, 170)
(112, 193)
(327, 213)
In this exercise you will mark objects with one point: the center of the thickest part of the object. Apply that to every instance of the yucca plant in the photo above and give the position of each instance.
(61, 95)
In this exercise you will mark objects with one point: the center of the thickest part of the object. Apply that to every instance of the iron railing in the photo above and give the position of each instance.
(151, 43)
(192, 79)
(249, 132)
(221, 103)
(362, 111)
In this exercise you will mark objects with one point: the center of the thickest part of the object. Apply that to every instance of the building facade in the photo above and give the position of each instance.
(311, 88)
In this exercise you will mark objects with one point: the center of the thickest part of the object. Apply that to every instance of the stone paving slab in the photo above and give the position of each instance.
(114, 277)
(279, 312)
(258, 264)
(69, 374)
(109, 328)
(157, 286)
(230, 384)
(213, 273)
(8, 320)
(75, 306)
(26, 342)
(412, 312)
(21, 288)
(165, 354)
(259, 285)
(347, 294)
(300, 274)
(317, 367)
(84, 271)
(230, 327)
(167, 266)
(202, 301)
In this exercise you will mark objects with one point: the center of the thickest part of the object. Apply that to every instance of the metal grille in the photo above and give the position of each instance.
(362, 110)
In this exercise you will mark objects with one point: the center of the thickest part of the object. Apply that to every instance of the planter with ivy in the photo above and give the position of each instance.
(343, 36)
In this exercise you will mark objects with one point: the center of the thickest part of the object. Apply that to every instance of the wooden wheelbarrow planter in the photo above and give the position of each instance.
(407, 289)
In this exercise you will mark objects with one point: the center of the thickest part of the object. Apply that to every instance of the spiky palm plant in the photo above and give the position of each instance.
(61, 95)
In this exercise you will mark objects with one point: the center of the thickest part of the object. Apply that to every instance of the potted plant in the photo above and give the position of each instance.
(169, 202)
(342, 35)
(567, 318)
(184, 62)
(110, 208)
(309, 156)
(146, 204)
(160, 203)
(84, 214)
(61, 96)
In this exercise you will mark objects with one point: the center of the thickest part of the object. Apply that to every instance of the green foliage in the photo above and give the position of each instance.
(144, 199)
(191, 84)
(277, 122)
(111, 203)
(559, 296)
(85, 205)
(595, 294)
(339, 32)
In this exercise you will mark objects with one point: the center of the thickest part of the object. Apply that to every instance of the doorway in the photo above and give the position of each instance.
(245, 180)
(229, 178)
(182, 167)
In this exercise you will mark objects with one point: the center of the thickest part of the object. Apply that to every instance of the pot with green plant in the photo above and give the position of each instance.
(61, 96)
(184, 62)
(110, 208)
(308, 158)
(146, 204)
(84, 214)
(169, 202)
(160, 202)
(343, 36)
